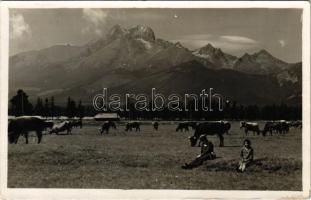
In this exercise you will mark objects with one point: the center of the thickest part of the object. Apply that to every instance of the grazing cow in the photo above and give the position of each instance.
(269, 127)
(279, 127)
(76, 123)
(23, 125)
(282, 127)
(113, 125)
(130, 125)
(227, 126)
(182, 126)
(155, 125)
(209, 128)
(250, 126)
(106, 126)
(64, 126)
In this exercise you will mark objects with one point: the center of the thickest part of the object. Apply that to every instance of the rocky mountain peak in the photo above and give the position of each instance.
(118, 59)
(142, 32)
(215, 56)
(164, 43)
(178, 45)
(263, 53)
(207, 48)
(246, 56)
(117, 31)
(210, 46)
(137, 32)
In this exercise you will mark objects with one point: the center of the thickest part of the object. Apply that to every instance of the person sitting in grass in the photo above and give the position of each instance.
(207, 153)
(247, 156)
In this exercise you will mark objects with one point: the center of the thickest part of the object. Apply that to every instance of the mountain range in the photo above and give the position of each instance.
(134, 60)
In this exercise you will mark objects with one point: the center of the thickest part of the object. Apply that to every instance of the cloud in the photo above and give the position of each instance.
(19, 29)
(228, 43)
(282, 43)
(238, 39)
(96, 19)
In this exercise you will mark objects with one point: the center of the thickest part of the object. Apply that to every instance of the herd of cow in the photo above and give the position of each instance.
(21, 126)
(279, 127)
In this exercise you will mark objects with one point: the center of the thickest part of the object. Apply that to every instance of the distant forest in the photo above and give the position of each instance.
(19, 105)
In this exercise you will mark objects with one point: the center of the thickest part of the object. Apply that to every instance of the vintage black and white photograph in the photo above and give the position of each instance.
(156, 98)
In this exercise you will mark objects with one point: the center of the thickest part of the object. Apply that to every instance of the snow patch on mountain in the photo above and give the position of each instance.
(146, 44)
(215, 56)
(286, 77)
(205, 56)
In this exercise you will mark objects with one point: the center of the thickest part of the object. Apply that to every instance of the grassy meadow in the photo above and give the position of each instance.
(152, 160)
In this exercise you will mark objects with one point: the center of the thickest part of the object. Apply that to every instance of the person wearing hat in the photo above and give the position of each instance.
(247, 156)
(207, 153)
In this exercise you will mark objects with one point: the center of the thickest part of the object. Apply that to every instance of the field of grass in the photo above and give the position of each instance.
(153, 160)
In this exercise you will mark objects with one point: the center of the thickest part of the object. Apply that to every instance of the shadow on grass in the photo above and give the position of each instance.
(135, 164)
(232, 146)
(269, 165)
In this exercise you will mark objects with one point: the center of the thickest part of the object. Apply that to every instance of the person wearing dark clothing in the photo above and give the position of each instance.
(156, 125)
(207, 153)
(246, 155)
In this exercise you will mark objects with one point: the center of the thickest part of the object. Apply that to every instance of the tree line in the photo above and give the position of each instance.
(232, 111)
(20, 105)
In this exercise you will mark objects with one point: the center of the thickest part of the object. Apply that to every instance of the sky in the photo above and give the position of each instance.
(235, 31)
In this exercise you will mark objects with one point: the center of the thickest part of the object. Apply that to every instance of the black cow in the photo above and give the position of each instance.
(130, 125)
(279, 127)
(282, 127)
(269, 127)
(250, 126)
(106, 126)
(23, 125)
(227, 126)
(182, 126)
(209, 128)
(64, 126)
